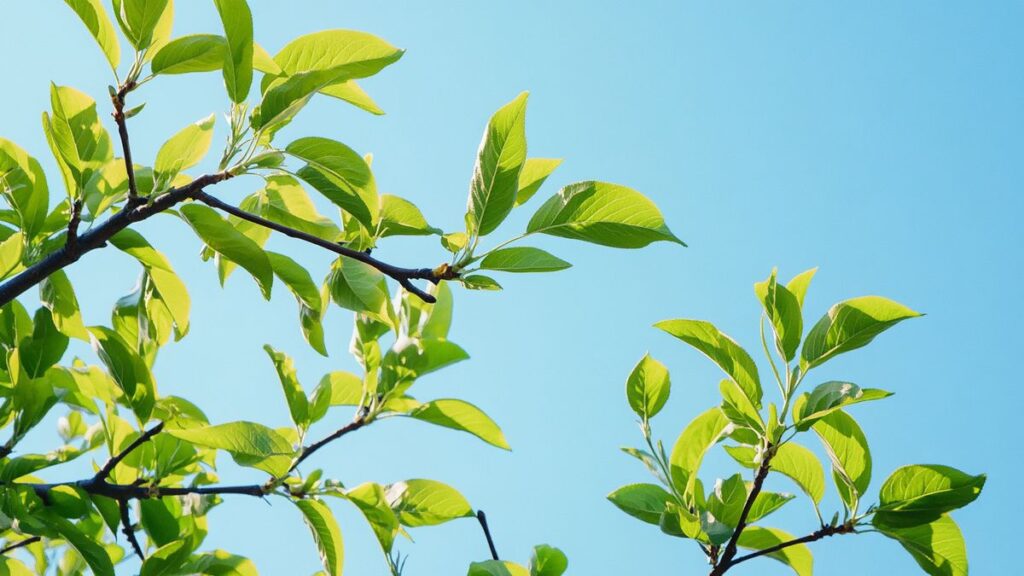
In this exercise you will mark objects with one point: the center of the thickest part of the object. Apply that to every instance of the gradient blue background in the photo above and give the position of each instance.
(880, 141)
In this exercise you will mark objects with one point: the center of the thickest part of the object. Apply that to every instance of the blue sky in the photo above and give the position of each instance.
(877, 140)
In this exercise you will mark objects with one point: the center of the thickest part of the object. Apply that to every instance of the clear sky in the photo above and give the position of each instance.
(878, 140)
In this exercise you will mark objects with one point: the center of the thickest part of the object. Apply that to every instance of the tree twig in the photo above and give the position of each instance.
(122, 130)
(482, 518)
(19, 544)
(726, 560)
(403, 276)
(823, 532)
(116, 459)
(129, 531)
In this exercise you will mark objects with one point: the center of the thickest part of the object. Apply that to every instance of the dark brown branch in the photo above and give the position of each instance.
(122, 130)
(116, 459)
(482, 518)
(726, 560)
(128, 529)
(403, 276)
(19, 544)
(97, 237)
(823, 532)
(308, 451)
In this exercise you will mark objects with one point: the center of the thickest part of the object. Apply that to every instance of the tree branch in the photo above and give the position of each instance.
(403, 276)
(98, 236)
(726, 561)
(482, 518)
(308, 451)
(823, 532)
(122, 130)
(129, 531)
(116, 459)
(19, 544)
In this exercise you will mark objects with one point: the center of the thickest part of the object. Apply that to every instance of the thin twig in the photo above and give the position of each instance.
(128, 530)
(403, 276)
(122, 130)
(824, 532)
(482, 518)
(73, 223)
(116, 459)
(309, 450)
(19, 544)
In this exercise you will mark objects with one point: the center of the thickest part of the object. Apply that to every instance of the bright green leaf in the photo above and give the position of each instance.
(643, 501)
(722, 350)
(829, 397)
(937, 547)
(237, 19)
(492, 192)
(95, 18)
(797, 557)
(522, 259)
(340, 174)
(850, 325)
(548, 561)
(847, 448)
(460, 415)
(183, 151)
(699, 436)
(919, 494)
(783, 310)
(222, 237)
(326, 534)
(535, 172)
(602, 213)
(426, 503)
(250, 444)
(192, 53)
(647, 387)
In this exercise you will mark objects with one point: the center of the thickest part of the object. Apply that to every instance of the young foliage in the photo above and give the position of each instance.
(155, 454)
(912, 506)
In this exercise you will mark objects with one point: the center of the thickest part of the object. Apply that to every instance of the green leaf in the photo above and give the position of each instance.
(361, 54)
(426, 503)
(460, 415)
(286, 96)
(372, 502)
(166, 560)
(11, 251)
(343, 388)
(535, 172)
(306, 292)
(722, 350)
(522, 259)
(699, 436)
(286, 202)
(23, 183)
(548, 561)
(183, 151)
(128, 369)
(642, 501)
(647, 387)
(359, 287)
(797, 557)
(169, 287)
(783, 309)
(139, 20)
(220, 563)
(829, 397)
(95, 18)
(727, 499)
(349, 91)
(298, 404)
(495, 183)
(497, 568)
(602, 213)
(799, 284)
(479, 282)
(399, 217)
(79, 140)
(766, 503)
(249, 444)
(93, 554)
(326, 534)
(848, 450)
(237, 19)
(192, 53)
(920, 494)
(801, 466)
(850, 325)
(938, 547)
(340, 174)
(439, 314)
(221, 236)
